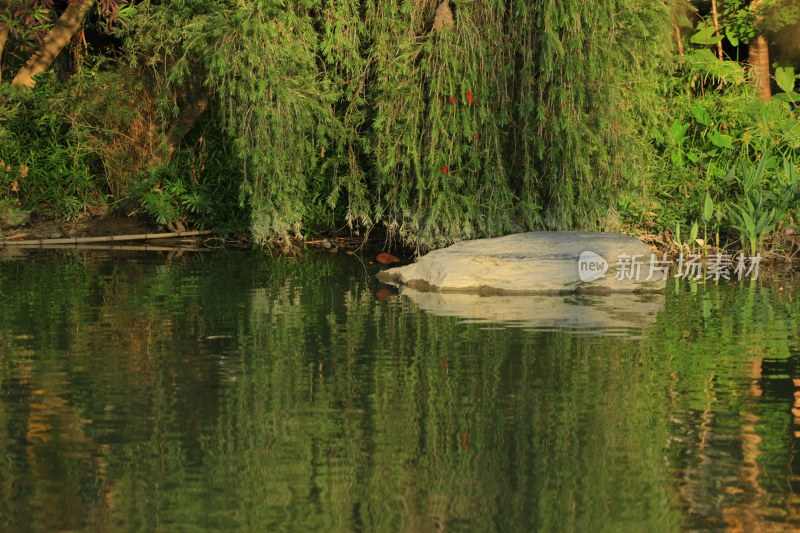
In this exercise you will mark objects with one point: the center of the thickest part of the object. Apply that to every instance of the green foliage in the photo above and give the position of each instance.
(778, 14)
(786, 80)
(262, 62)
(360, 113)
(544, 134)
(769, 194)
(198, 186)
(441, 99)
(92, 141)
(110, 116)
(741, 22)
(43, 167)
(319, 116)
(718, 132)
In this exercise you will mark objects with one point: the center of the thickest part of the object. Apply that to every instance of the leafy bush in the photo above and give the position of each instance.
(726, 158)
(200, 186)
(44, 169)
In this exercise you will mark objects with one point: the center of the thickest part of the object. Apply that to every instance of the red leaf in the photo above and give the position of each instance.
(386, 258)
(445, 169)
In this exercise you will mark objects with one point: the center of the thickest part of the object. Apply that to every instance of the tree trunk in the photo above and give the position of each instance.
(716, 27)
(190, 113)
(4, 11)
(758, 50)
(759, 63)
(55, 41)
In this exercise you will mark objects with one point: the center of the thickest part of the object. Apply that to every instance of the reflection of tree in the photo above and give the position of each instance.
(389, 394)
(86, 346)
(768, 436)
(747, 516)
(730, 445)
(325, 409)
(236, 392)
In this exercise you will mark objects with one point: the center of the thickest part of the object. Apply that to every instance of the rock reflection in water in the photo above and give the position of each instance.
(590, 313)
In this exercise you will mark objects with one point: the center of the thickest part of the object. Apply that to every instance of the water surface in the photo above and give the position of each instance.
(234, 391)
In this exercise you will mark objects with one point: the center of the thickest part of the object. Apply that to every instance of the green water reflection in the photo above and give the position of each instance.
(238, 391)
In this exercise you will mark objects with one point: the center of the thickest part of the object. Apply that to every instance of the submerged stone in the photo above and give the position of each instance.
(536, 262)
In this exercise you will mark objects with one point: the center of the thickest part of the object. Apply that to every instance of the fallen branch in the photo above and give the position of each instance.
(107, 238)
(15, 237)
(112, 248)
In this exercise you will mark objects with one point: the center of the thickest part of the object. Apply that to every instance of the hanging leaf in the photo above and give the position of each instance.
(790, 97)
(785, 78)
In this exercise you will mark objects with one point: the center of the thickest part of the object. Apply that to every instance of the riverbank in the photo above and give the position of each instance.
(88, 226)
(783, 247)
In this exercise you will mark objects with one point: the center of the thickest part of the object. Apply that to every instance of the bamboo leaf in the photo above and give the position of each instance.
(708, 208)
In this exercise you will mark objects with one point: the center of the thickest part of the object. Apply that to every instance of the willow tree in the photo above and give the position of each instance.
(275, 105)
(442, 106)
(587, 93)
(516, 115)
(437, 119)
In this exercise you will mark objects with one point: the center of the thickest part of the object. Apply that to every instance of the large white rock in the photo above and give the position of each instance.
(536, 262)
